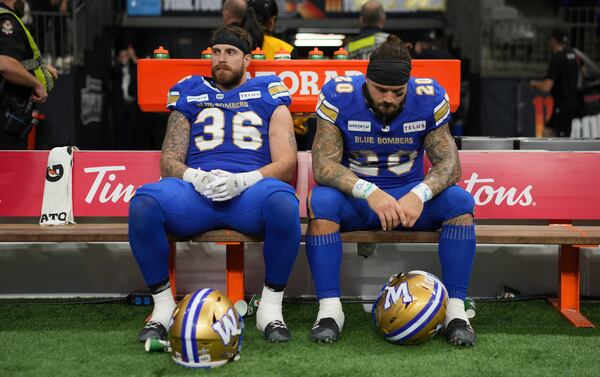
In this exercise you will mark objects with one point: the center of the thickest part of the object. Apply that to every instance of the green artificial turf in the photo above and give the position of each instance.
(514, 339)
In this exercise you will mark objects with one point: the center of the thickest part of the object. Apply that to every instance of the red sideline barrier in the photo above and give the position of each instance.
(505, 185)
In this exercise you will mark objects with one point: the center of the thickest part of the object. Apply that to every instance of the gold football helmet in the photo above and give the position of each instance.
(410, 308)
(205, 330)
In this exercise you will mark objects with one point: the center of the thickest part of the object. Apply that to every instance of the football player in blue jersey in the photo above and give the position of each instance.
(228, 149)
(368, 163)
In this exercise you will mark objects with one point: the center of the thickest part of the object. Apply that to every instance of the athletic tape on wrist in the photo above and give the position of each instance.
(422, 191)
(362, 189)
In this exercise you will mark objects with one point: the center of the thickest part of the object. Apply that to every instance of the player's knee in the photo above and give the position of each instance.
(325, 202)
(282, 207)
(142, 208)
(460, 201)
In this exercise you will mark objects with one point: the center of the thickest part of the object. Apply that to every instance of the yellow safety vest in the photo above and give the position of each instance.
(272, 45)
(36, 65)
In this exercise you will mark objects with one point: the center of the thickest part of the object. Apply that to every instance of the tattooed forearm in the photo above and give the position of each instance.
(327, 153)
(443, 154)
(175, 146)
(292, 141)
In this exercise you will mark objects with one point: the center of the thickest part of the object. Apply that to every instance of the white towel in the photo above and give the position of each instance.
(57, 205)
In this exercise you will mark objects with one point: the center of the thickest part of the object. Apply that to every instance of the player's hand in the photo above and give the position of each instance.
(387, 208)
(200, 179)
(39, 94)
(228, 185)
(53, 72)
(412, 207)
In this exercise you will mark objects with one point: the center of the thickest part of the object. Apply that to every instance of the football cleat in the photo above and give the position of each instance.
(460, 333)
(277, 332)
(325, 330)
(410, 308)
(152, 330)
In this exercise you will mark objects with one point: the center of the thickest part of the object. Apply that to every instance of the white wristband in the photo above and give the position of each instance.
(190, 174)
(251, 178)
(362, 189)
(422, 191)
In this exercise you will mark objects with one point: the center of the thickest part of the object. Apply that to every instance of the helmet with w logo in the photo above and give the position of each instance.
(205, 331)
(410, 308)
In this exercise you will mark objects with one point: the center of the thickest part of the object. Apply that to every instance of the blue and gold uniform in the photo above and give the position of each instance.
(389, 154)
(228, 131)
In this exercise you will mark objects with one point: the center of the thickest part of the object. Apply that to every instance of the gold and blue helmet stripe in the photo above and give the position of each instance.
(205, 330)
(410, 308)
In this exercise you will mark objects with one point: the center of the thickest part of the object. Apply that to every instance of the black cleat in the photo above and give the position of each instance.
(460, 333)
(325, 331)
(277, 332)
(153, 330)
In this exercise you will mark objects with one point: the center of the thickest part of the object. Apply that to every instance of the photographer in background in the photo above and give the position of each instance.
(25, 79)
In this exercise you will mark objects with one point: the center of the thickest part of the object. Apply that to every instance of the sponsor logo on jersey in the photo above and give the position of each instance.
(220, 96)
(414, 126)
(249, 95)
(200, 98)
(359, 126)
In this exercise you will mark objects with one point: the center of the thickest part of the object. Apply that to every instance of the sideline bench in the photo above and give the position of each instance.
(511, 185)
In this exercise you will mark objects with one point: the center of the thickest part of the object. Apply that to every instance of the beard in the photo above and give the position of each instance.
(382, 110)
(19, 8)
(226, 76)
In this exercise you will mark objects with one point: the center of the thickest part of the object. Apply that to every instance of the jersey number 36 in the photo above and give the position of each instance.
(245, 133)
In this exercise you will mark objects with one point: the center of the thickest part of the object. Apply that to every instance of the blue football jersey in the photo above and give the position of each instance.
(229, 130)
(391, 154)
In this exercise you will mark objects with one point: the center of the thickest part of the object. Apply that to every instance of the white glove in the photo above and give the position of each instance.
(228, 185)
(199, 178)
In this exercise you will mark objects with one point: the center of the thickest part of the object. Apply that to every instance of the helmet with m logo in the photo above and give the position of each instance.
(410, 308)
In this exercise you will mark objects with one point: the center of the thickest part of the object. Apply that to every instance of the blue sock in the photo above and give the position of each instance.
(324, 254)
(148, 240)
(282, 238)
(457, 252)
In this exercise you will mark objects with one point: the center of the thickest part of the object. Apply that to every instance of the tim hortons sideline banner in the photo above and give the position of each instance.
(505, 185)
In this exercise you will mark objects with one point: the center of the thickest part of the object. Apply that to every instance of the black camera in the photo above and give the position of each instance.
(17, 116)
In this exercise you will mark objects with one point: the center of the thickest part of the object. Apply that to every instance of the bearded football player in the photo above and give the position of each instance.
(368, 162)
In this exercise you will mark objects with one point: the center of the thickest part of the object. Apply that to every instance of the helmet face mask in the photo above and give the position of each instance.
(205, 330)
(410, 308)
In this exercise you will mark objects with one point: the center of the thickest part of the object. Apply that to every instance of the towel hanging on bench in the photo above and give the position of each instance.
(57, 205)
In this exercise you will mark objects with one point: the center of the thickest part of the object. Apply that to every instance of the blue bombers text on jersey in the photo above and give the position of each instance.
(229, 130)
(388, 155)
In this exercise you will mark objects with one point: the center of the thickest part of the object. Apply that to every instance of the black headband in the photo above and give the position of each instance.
(227, 38)
(392, 72)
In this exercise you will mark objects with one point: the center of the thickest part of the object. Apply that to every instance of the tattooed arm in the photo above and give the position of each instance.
(327, 151)
(283, 147)
(443, 154)
(175, 146)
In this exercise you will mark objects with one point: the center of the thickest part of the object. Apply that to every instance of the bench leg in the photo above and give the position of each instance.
(568, 287)
(235, 271)
(172, 267)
